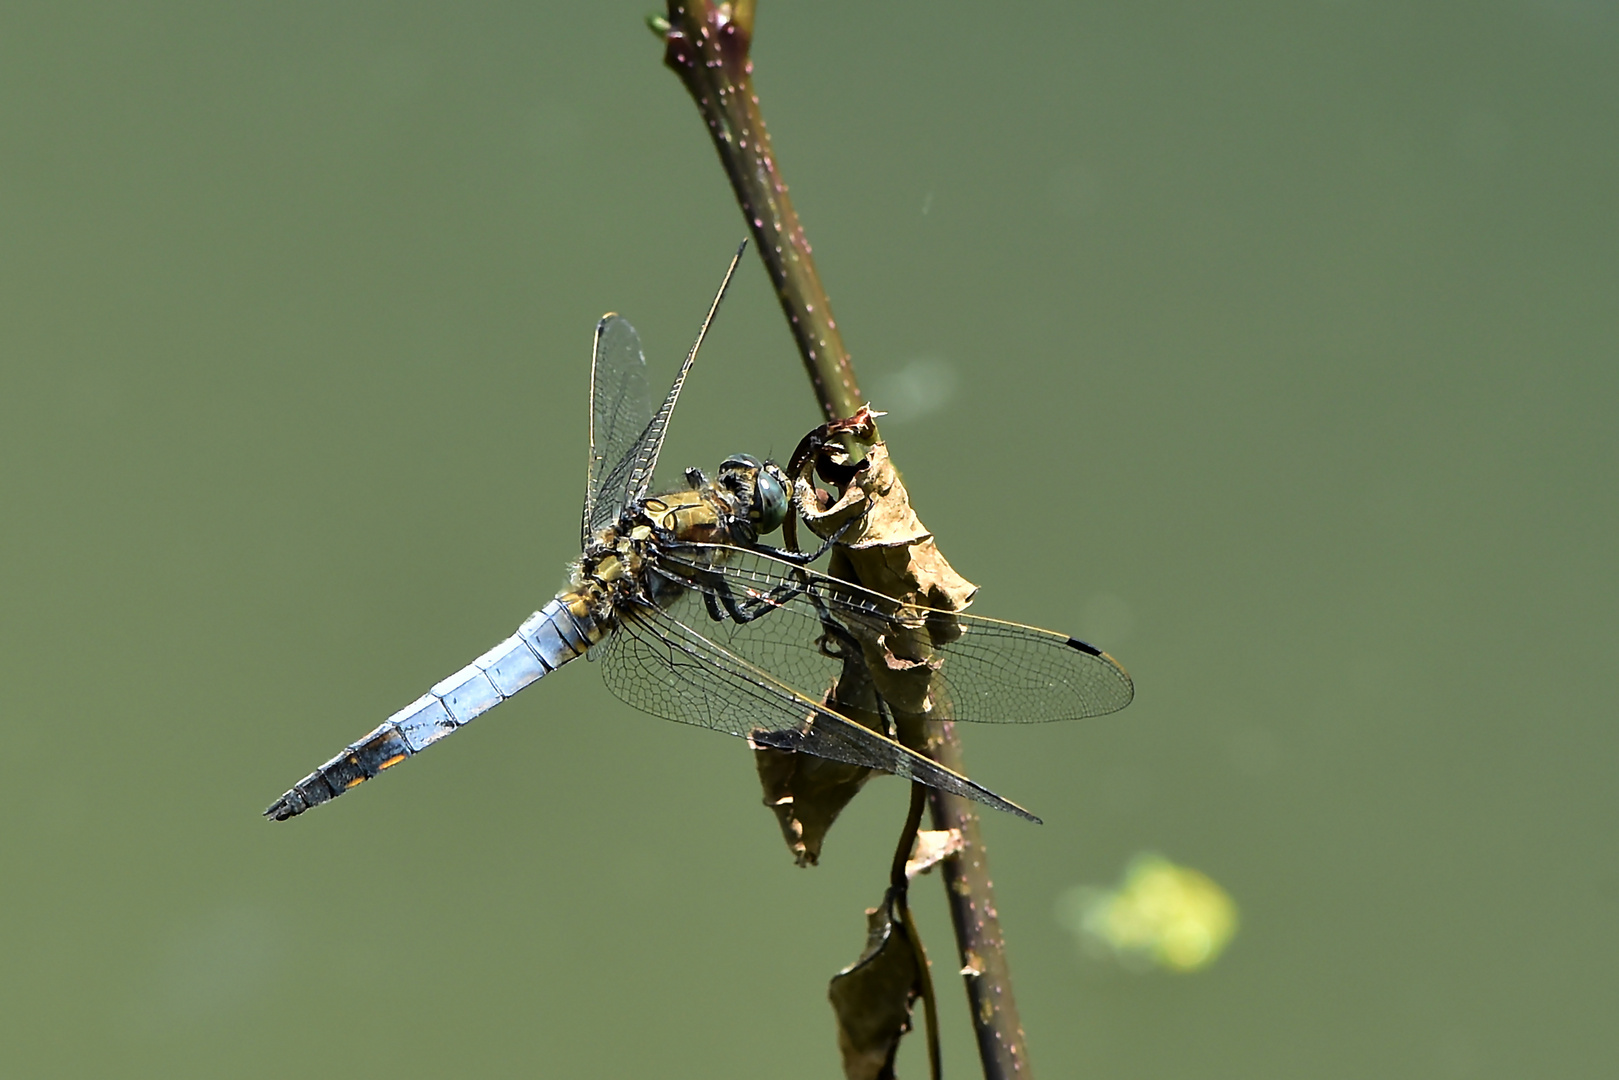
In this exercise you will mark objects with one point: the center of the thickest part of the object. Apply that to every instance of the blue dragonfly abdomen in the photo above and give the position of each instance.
(547, 639)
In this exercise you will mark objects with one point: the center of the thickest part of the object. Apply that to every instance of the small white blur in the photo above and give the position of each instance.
(922, 387)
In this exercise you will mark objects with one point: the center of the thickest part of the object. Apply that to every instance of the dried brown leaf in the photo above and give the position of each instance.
(888, 548)
(872, 998)
(882, 545)
(807, 794)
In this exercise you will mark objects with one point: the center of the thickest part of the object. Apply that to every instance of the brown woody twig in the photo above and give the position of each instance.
(707, 45)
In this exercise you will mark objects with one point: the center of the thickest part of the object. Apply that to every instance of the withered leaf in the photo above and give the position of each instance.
(806, 794)
(888, 548)
(872, 998)
(882, 546)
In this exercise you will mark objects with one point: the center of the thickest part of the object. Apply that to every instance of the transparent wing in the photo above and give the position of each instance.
(658, 662)
(645, 458)
(988, 671)
(624, 454)
(620, 410)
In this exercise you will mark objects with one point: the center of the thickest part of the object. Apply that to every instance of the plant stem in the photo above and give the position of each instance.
(979, 944)
(899, 884)
(708, 45)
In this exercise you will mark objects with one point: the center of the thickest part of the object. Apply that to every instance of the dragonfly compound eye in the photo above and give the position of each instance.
(760, 487)
(769, 499)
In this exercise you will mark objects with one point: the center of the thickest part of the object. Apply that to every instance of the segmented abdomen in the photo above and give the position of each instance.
(549, 638)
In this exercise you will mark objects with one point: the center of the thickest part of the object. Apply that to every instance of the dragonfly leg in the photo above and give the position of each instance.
(713, 605)
(721, 601)
(718, 592)
(837, 641)
(804, 558)
(840, 644)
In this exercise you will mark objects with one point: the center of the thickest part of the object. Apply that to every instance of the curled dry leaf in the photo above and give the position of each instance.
(872, 998)
(882, 545)
(887, 547)
(807, 793)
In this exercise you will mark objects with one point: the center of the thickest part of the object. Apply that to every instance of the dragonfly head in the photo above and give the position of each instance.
(758, 485)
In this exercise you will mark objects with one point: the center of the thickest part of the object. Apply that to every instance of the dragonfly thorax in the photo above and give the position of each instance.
(747, 497)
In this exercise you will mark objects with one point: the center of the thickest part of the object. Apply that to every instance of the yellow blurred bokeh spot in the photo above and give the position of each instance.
(1160, 915)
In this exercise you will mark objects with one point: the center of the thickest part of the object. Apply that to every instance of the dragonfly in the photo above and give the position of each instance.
(693, 618)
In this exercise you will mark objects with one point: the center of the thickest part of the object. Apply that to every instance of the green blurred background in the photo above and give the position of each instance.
(1271, 345)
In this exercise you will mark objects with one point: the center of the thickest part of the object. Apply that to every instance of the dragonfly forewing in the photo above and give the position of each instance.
(620, 409)
(987, 670)
(626, 436)
(643, 461)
